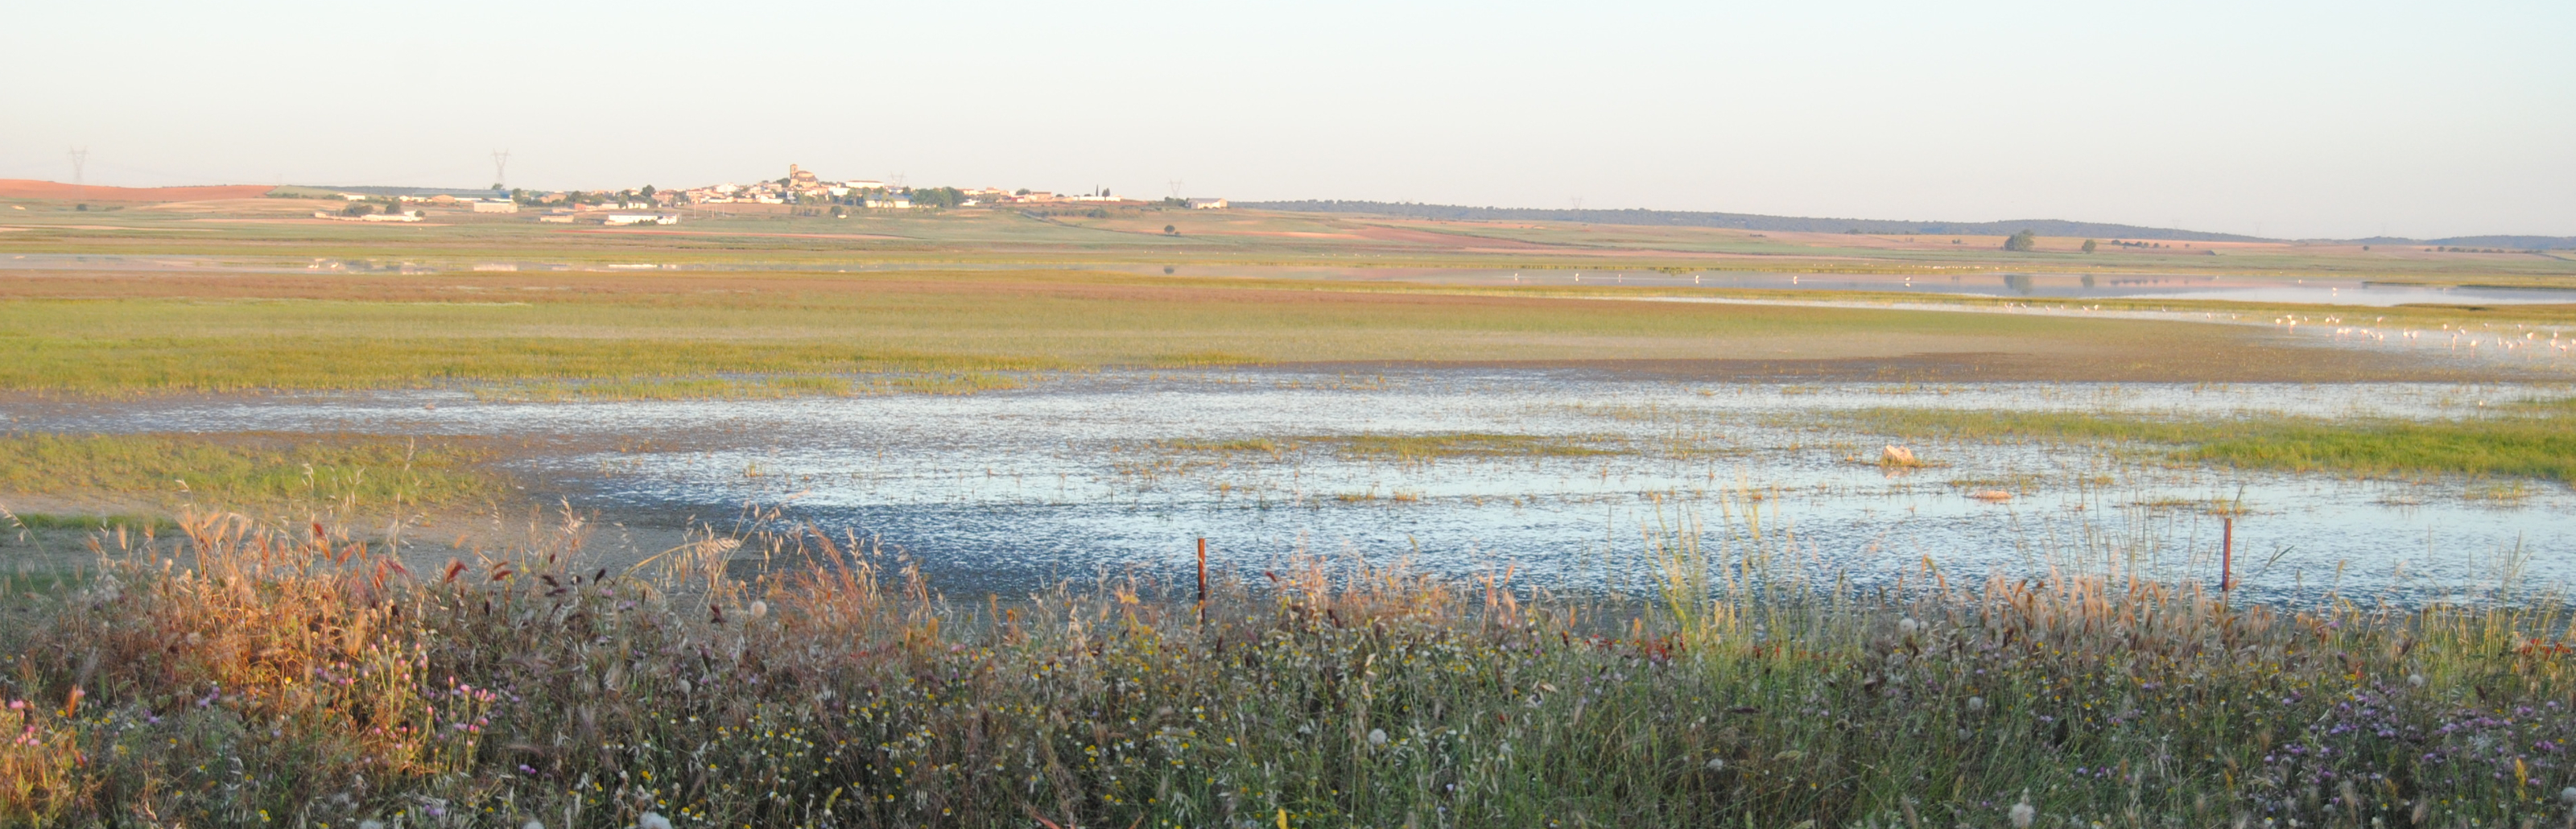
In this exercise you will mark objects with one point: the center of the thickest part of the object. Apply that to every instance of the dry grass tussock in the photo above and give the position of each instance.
(243, 675)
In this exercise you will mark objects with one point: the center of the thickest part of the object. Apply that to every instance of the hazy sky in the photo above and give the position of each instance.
(2287, 119)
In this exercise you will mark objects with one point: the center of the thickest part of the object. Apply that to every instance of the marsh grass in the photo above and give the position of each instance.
(1462, 445)
(1264, 445)
(115, 334)
(238, 676)
(87, 523)
(2532, 442)
(350, 472)
(1420, 448)
(610, 368)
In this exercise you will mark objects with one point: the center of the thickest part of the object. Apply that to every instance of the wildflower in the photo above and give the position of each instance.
(1377, 736)
(652, 820)
(2022, 813)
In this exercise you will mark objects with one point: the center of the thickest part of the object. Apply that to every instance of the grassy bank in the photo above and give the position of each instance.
(664, 334)
(248, 469)
(297, 679)
(2530, 441)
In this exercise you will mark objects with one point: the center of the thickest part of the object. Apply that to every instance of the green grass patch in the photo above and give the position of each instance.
(107, 336)
(43, 521)
(2534, 442)
(245, 469)
(602, 368)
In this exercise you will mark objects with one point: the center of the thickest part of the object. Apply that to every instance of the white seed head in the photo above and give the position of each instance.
(2568, 795)
(2416, 680)
(533, 824)
(1976, 704)
(1908, 626)
(1717, 764)
(759, 608)
(652, 820)
(2023, 814)
(1377, 736)
(371, 823)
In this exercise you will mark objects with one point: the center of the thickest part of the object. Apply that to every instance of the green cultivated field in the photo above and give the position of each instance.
(768, 306)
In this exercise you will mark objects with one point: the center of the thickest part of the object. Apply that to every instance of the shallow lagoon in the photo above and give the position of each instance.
(1004, 490)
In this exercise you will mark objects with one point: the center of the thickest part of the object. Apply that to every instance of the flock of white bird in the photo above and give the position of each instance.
(2529, 343)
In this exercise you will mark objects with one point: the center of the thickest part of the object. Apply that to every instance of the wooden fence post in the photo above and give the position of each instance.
(2227, 556)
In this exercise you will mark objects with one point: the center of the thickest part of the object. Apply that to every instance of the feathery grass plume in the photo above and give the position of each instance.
(238, 667)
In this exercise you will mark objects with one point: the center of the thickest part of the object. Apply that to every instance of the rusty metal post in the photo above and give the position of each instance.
(2227, 556)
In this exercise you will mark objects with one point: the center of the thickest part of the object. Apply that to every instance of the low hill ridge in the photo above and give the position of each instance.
(1806, 224)
(22, 188)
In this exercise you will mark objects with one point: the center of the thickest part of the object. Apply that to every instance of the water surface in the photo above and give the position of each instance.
(1007, 490)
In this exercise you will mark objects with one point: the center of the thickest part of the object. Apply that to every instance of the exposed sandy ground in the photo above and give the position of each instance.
(634, 231)
(244, 207)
